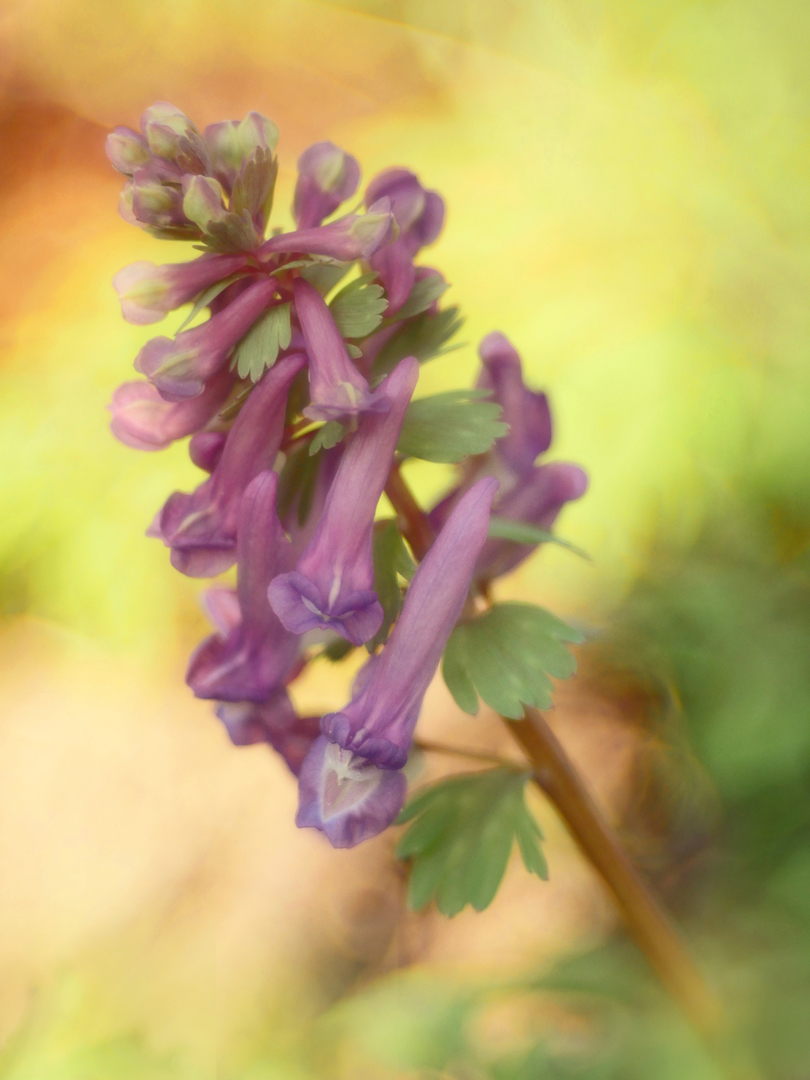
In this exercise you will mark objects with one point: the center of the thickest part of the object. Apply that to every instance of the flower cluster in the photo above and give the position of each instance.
(294, 404)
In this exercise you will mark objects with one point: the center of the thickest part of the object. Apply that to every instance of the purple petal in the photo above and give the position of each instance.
(327, 176)
(127, 150)
(333, 582)
(419, 213)
(378, 723)
(205, 448)
(356, 236)
(147, 292)
(273, 721)
(526, 412)
(347, 797)
(146, 421)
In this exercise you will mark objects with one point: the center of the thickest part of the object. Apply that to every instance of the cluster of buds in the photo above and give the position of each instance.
(294, 408)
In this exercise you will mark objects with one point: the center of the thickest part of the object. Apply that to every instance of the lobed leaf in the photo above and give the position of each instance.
(424, 337)
(506, 656)
(422, 295)
(357, 309)
(261, 345)
(324, 276)
(209, 296)
(462, 833)
(327, 436)
(447, 427)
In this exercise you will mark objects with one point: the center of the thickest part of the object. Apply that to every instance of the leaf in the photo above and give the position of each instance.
(327, 436)
(423, 337)
(234, 232)
(260, 346)
(461, 837)
(325, 276)
(336, 650)
(357, 309)
(210, 294)
(391, 558)
(506, 656)
(422, 295)
(523, 533)
(447, 427)
(253, 187)
(297, 480)
(353, 351)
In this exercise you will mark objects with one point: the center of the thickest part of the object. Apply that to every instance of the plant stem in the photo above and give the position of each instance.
(460, 751)
(646, 918)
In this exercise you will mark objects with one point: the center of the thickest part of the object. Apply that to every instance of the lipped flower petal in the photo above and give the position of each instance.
(345, 796)
(327, 176)
(419, 212)
(141, 418)
(256, 656)
(148, 292)
(526, 412)
(379, 721)
(332, 585)
(201, 527)
(273, 721)
(179, 368)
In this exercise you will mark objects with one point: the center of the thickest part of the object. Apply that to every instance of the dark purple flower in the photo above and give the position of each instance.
(327, 176)
(273, 721)
(526, 412)
(205, 448)
(332, 585)
(346, 796)
(419, 214)
(378, 723)
(148, 292)
(146, 421)
(356, 236)
(179, 368)
(336, 388)
(255, 655)
(200, 527)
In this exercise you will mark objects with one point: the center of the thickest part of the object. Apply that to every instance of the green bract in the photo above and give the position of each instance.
(423, 337)
(259, 348)
(422, 295)
(327, 436)
(505, 656)
(447, 427)
(357, 309)
(461, 840)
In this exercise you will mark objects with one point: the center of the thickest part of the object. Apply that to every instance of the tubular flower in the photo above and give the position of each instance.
(256, 653)
(356, 236)
(332, 585)
(327, 176)
(148, 292)
(180, 368)
(529, 493)
(419, 215)
(200, 527)
(378, 723)
(336, 387)
(141, 418)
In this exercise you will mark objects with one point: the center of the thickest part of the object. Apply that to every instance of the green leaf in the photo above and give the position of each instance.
(353, 351)
(325, 276)
(424, 337)
(357, 309)
(447, 427)
(296, 482)
(254, 185)
(506, 656)
(336, 650)
(327, 436)
(260, 346)
(391, 558)
(506, 529)
(422, 295)
(462, 833)
(208, 297)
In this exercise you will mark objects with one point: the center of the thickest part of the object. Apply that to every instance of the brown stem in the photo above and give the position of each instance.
(646, 918)
(413, 521)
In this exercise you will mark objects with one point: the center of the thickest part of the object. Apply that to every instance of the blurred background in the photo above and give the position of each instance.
(627, 186)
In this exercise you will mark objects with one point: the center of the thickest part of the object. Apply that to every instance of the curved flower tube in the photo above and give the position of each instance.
(327, 176)
(148, 292)
(141, 418)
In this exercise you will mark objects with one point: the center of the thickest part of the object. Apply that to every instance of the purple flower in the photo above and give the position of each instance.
(378, 723)
(336, 387)
(419, 214)
(333, 582)
(205, 448)
(180, 368)
(356, 236)
(148, 202)
(526, 412)
(127, 150)
(327, 176)
(255, 654)
(529, 493)
(346, 796)
(273, 721)
(146, 421)
(231, 142)
(200, 527)
(148, 292)
(171, 136)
